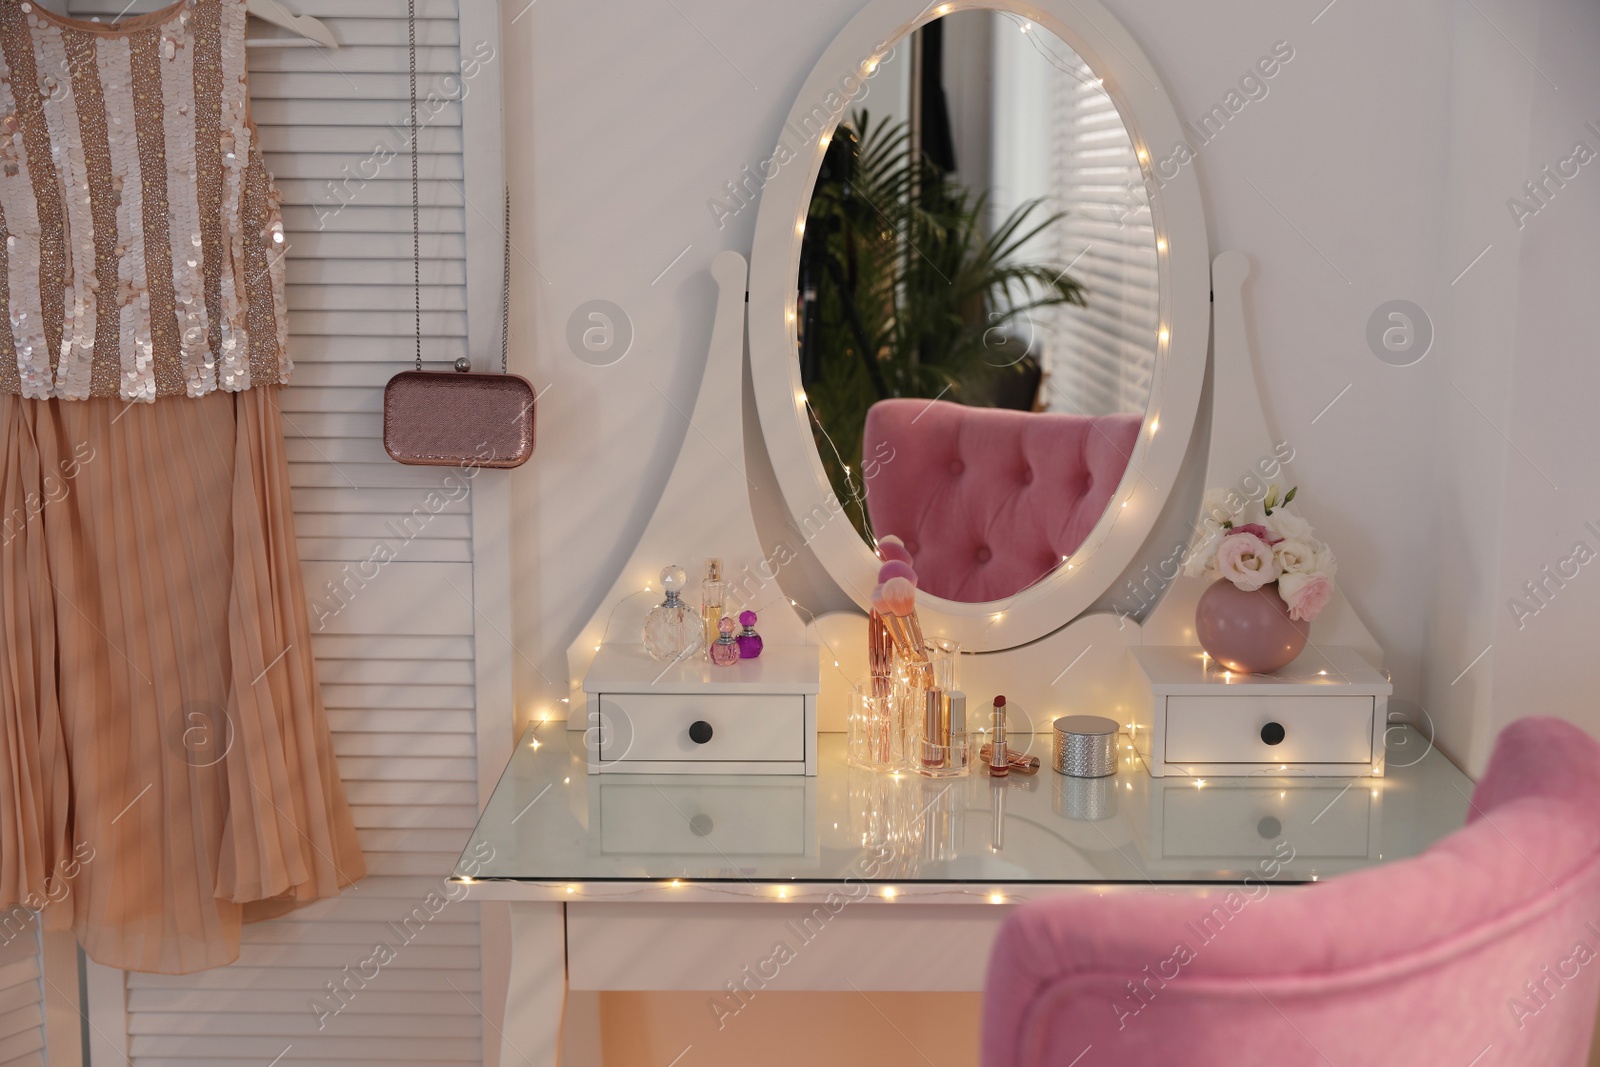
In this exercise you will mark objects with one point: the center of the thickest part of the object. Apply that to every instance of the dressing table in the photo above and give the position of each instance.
(631, 858)
(878, 882)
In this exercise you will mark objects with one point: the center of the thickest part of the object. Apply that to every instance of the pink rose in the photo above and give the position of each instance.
(1306, 595)
(1246, 561)
(1257, 529)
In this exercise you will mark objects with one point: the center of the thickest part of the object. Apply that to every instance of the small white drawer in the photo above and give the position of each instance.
(1229, 821)
(763, 818)
(1230, 729)
(699, 728)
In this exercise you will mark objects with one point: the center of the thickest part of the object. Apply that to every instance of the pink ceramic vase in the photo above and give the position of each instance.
(1248, 632)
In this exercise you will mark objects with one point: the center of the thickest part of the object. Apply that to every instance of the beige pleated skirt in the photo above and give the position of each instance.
(166, 771)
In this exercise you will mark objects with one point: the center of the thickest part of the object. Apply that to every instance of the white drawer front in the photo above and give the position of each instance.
(1227, 729)
(1247, 822)
(655, 726)
(760, 819)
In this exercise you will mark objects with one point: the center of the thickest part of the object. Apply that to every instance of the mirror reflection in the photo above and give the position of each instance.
(978, 304)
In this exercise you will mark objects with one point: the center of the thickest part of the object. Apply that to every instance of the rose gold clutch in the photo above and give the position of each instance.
(450, 420)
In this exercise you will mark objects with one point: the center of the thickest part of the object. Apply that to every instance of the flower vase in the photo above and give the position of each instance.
(1248, 632)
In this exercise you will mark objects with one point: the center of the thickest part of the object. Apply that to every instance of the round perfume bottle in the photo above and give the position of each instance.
(672, 628)
(725, 653)
(749, 641)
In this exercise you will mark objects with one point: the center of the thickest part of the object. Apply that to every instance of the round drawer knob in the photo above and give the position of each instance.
(1269, 827)
(700, 732)
(1272, 733)
(701, 825)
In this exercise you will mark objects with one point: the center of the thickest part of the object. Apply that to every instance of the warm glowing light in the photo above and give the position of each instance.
(1374, 792)
(1162, 335)
(825, 139)
(597, 648)
(563, 700)
(1124, 503)
(1155, 424)
(536, 743)
(835, 663)
(889, 892)
(566, 781)
(572, 889)
(1282, 794)
(782, 892)
(800, 227)
(872, 65)
(677, 884)
(1199, 783)
(1026, 26)
(996, 898)
(1144, 157)
(943, 9)
(1161, 244)
(1322, 672)
(467, 881)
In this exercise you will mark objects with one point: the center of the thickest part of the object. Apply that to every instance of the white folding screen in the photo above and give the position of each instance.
(387, 552)
(22, 1030)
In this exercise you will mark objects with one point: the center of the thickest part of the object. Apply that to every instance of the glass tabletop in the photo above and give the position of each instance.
(550, 821)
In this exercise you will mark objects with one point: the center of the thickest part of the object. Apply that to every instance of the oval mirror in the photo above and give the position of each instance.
(986, 316)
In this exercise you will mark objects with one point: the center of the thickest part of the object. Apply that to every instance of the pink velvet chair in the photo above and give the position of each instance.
(989, 500)
(1482, 951)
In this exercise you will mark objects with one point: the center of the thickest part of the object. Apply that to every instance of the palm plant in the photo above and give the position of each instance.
(905, 293)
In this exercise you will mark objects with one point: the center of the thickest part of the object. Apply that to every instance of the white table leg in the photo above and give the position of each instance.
(536, 992)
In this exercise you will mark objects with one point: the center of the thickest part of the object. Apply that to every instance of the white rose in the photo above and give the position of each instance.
(1326, 565)
(1295, 556)
(1289, 526)
(1217, 508)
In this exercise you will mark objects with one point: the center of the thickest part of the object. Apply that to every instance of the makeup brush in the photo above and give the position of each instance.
(896, 601)
(896, 568)
(891, 547)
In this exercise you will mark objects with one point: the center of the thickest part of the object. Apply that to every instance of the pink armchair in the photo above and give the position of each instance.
(1483, 951)
(989, 500)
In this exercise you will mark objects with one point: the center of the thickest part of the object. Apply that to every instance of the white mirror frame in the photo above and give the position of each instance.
(840, 79)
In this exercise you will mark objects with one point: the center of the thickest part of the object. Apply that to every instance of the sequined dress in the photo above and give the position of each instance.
(166, 766)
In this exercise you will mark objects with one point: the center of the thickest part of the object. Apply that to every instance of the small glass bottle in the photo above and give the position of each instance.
(671, 628)
(749, 641)
(711, 601)
(724, 653)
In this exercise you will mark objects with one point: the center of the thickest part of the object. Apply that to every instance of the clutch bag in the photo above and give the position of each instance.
(451, 419)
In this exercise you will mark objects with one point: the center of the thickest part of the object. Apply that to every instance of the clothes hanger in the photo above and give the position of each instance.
(311, 29)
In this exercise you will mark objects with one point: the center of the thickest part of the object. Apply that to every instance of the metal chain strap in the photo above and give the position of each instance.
(416, 210)
(416, 222)
(505, 294)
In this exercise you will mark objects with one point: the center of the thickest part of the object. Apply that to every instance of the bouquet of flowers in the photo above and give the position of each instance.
(1279, 548)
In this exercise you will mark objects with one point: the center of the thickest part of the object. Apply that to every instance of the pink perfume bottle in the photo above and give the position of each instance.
(749, 641)
(724, 653)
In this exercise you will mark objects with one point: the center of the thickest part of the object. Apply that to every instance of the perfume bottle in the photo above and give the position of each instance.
(671, 628)
(711, 601)
(749, 641)
(724, 653)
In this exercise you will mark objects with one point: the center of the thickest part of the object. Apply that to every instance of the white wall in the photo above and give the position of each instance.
(1517, 495)
(1363, 176)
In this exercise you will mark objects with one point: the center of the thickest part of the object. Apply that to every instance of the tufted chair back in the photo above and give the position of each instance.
(989, 500)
